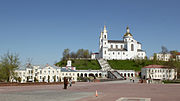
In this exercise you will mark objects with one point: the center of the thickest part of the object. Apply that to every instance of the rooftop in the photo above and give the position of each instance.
(155, 66)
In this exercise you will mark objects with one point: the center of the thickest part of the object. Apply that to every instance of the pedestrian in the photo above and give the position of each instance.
(65, 83)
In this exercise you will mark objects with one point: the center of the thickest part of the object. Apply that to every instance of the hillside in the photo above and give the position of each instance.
(82, 64)
(115, 64)
(131, 64)
(123, 65)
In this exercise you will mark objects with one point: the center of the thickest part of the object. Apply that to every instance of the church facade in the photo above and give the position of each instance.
(128, 48)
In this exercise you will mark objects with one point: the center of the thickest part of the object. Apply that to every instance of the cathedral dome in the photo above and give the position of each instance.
(127, 32)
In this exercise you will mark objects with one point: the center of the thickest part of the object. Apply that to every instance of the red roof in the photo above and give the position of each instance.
(155, 66)
(178, 53)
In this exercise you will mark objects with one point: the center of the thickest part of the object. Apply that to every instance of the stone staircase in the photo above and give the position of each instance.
(117, 75)
(114, 75)
(104, 65)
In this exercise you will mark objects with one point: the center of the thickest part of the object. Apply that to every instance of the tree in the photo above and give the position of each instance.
(66, 54)
(164, 50)
(155, 58)
(174, 54)
(86, 54)
(80, 53)
(9, 62)
(73, 55)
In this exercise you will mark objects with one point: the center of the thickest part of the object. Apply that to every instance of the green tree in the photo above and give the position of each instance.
(8, 63)
(174, 54)
(155, 58)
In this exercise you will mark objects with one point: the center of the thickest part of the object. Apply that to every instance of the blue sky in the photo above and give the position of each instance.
(42, 29)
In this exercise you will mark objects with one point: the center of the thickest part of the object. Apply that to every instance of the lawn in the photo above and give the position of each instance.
(82, 64)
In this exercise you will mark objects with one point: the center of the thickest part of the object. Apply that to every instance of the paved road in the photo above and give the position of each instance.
(107, 91)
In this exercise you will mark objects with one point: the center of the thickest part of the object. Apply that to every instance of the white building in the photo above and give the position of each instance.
(178, 56)
(165, 57)
(47, 73)
(127, 73)
(94, 55)
(128, 48)
(158, 72)
(93, 73)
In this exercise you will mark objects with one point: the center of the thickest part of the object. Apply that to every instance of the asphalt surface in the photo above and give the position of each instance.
(84, 91)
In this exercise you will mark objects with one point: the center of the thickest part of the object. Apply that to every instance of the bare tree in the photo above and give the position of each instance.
(66, 54)
(164, 50)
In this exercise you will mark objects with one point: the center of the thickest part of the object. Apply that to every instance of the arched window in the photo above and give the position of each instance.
(104, 52)
(132, 47)
(105, 36)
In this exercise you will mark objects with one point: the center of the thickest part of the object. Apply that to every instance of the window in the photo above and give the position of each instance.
(104, 36)
(104, 52)
(132, 47)
(118, 53)
(111, 46)
(113, 53)
(40, 72)
(121, 46)
(116, 46)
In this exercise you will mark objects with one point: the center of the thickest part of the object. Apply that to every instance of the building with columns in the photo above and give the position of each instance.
(45, 73)
(128, 48)
(158, 72)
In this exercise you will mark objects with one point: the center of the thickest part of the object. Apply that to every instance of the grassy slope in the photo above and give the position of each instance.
(123, 65)
(82, 64)
(115, 64)
(130, 64)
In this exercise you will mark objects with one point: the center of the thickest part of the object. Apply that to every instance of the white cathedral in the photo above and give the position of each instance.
(128, 48)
